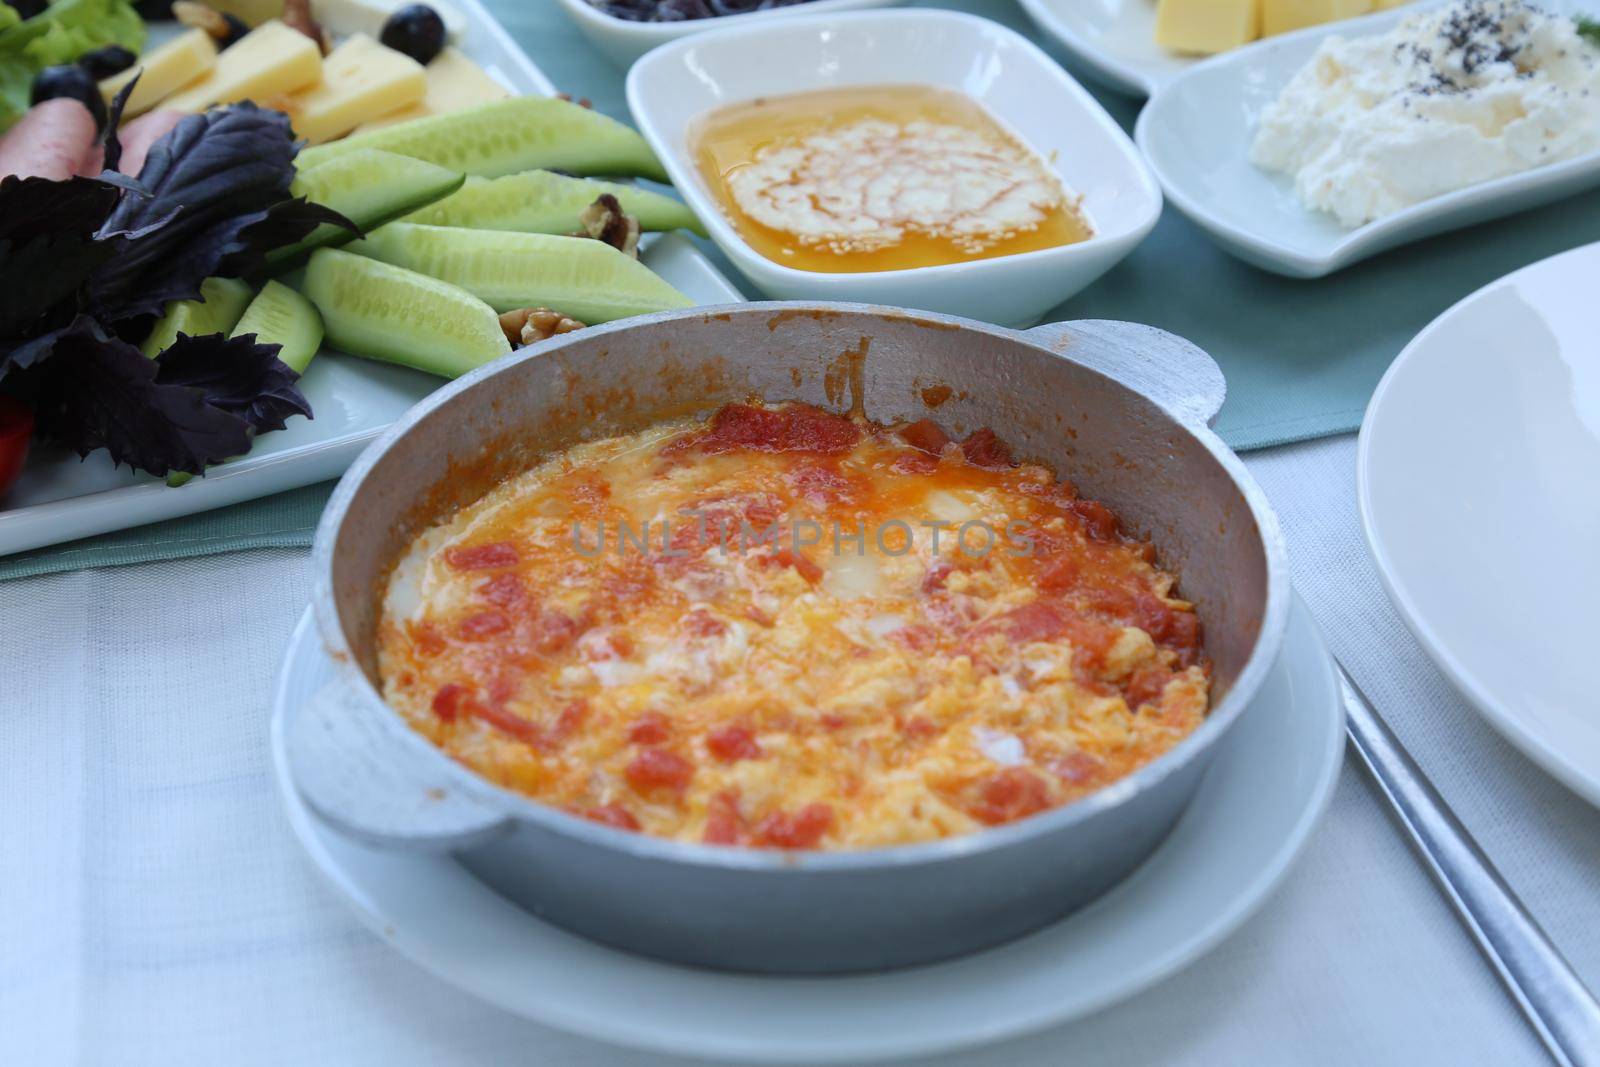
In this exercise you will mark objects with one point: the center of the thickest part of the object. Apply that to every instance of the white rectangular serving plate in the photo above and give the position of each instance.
(61, 498)
(1196, 133)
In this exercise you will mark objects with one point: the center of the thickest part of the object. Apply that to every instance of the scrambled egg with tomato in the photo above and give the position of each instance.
(786, 628)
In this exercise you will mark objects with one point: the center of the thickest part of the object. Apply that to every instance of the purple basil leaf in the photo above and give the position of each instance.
(47, 249)
(113, 153)
(95, 391)
(211, 177)
(284, 223)
(236, 374)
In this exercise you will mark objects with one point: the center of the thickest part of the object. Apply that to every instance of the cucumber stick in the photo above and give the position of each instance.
(221, 302)
(538, 201)
(369, 187)
(577, 276)
(385, 312)
(507, 136)
(277, 316)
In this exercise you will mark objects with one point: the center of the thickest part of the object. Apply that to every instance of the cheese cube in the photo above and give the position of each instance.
(454, 82)
(1281, 16)
(162, 71)
(1207, 26)
(253, 12)
(266, 64)
(361, 79)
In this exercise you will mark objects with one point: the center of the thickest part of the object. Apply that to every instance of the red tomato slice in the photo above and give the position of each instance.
(16, 427)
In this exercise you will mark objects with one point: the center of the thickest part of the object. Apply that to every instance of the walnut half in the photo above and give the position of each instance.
(604, 221)
(524, 326)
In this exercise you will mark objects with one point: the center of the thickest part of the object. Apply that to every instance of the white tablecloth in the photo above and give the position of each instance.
(155, 910)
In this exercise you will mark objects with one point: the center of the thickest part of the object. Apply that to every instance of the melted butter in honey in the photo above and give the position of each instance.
(875, 178)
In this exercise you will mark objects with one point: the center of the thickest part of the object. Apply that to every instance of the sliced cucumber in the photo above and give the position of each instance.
(369, 187)
(277, 316)
(586, 279)
(280, 316)
(384, 312)
(507, 136)
(221, 302)
(538, 201)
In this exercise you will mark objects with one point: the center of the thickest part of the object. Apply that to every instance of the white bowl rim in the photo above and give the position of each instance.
(753, 262)
(671, 31)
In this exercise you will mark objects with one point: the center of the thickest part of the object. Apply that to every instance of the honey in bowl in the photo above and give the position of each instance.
(882, 177)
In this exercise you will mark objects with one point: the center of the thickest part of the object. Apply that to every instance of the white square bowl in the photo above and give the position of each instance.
(674, 85)
(623, 41)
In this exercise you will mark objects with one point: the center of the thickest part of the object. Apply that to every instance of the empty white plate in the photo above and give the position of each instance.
(1252, 815)
(1479, 484)
(1113, 40)
(1197, 129)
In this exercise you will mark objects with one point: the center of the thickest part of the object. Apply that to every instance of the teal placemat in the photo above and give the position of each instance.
(1301, 357)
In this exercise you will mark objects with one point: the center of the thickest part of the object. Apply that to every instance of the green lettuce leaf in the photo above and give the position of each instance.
(59, 34)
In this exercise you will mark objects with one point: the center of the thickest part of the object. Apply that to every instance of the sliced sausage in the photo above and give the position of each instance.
(137, 137)
(50, 141)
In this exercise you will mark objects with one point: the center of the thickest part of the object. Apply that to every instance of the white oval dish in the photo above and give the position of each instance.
(1252, 816)
(1197, 129)
(1478, 477)
(623, 41)
(677, 83)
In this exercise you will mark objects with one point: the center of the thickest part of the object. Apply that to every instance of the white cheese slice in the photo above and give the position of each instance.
(361, 79)
(265, 65)
(163, 71)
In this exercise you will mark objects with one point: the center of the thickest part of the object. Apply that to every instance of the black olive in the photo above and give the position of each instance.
(236, 30)
(27, 8)
(102, 63)
(75, 83)
(154, 10)
(417, 30)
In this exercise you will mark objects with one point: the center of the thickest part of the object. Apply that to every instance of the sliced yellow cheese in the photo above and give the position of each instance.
(162, 71)
(1281, 16)
(265, 65)
(454, 82)
(361, 79)
(1385, 5)
(1207, 26)
(253, 12)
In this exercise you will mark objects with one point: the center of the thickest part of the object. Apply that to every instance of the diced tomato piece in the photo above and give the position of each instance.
(482, 557)
(554, 631)
(916, 637)
(447, 701)
(701, 623)
(1010, 794)
(1077, 768)
(570, 720)
(483, 624)
(590, 490)
(614, 815)
(733, 742)
(1042, 620)
(831, 721)
(914, 463)
(792, 428)
(788, 557)
(937, 573)
(655, 769)
(823, 487)
(1146, 685)
(1099, 521)
(803, 829)
(651, 728)
(1060, 574)
(926, 435)
(505, 590)
(724, 823)
(425, 638)
(919, 728)
(983, 449)
(507, 722)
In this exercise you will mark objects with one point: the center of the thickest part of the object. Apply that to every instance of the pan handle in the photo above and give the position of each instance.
(369, 776)
(1163, 366)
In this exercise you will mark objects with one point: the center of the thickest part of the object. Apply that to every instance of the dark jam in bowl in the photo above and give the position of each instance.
(684, 10)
